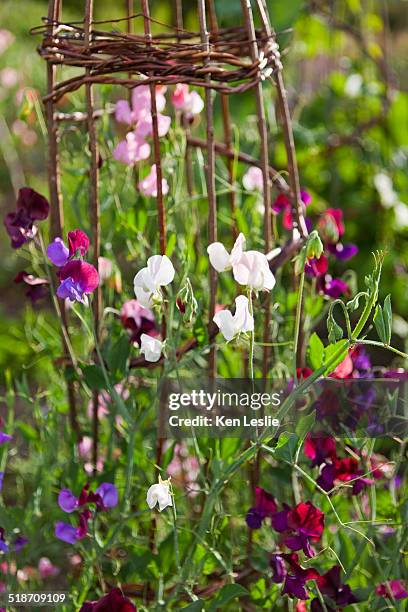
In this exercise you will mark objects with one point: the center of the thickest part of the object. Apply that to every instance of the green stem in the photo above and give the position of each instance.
(251, 338)
(297, 320)
(382, 345)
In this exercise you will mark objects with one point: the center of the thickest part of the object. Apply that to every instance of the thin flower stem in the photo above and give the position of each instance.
(297, 320)
(382, 345)
(251, 338)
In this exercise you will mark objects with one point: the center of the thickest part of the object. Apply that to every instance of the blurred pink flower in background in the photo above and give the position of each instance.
(47, 569)
(253, 179)
(6, 39)
(9, 77)
(148, 186)
(184, 469)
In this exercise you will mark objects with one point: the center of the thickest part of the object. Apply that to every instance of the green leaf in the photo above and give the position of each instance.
(226, 594)
(305, 425)
(171, 243)
(387, 313)
(195, 606)
(28, 432)
(118, 355)
(94, 378)
(286, 446)
(379, 324)
(334, 329)
(316, 351)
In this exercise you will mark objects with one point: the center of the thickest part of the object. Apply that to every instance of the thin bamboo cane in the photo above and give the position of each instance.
(57, 209)
(263, 134)
(94, 206)
(210, 176)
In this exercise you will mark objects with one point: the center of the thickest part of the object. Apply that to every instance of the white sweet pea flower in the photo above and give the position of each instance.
(220, 259)
(231, 325)
(250, 268)
(150, 347)
(159, 494)
(253, 271)
(159, 272)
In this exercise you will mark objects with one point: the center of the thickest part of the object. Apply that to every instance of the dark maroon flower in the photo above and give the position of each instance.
(114, 601)
(343, 252)
(265, 506)
(138, 320)
(295, 581)
(331, 585)
(278, 567)
(30, 207)
(78, 243)
(37, 287)
(396, 587)
(302, 524)
(319, 447)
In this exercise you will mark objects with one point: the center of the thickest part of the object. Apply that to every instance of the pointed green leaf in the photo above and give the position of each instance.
(316, 351)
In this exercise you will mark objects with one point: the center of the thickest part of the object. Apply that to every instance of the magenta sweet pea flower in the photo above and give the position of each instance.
(148, 186)
(4, 437)
(397, 588)
(37, 287)
(78, 278)
(319, 447)
(335, 287)
(31, 206)
(283, 204)
(344, 252)
(3, 544)
(78, 243)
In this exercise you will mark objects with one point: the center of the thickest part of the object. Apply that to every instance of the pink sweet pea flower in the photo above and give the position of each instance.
(396, 587)
(47, 569)
(131, 150)
(148, 186)
(189, 102)
(78, 278)
(78, 243)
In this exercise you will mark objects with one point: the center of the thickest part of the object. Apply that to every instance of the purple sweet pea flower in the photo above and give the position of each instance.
(19, 543)
(3, 545)
(1, 480)
(57, 252)
(343, 251)
(278, 567)
(68, 290)
(295, 587)
(66, 533)
(67, 500)
(109, 494)
(280, 519)
(4, 437)
(31, 207)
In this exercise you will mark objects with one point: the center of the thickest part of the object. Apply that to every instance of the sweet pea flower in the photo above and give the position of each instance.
(57, 252)
(159, 494)
(67, 500)
(131, 150)
(30, 207)
(114, 601)
(65, 532)
(151, 348)
(286, 569)
(265, 506)
(47, 569)
(138, 320)
(319, 447)
(144, 126)
(232, 325)
(4, 438)
(6, 39)
(249, 268)
(78, 278)
(148, 186)
(159, 272)
(302, 524)
(186, 101)
(283, 204)
(397, 588)
(253, 179)
(330, 585)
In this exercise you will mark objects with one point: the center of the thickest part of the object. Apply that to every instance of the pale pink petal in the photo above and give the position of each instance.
(123, 113)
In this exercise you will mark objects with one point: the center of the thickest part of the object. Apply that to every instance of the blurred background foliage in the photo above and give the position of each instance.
(335, 84)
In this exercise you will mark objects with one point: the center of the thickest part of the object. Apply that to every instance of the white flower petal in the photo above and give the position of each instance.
(244, 321)
(159, 494)
(161, 270)
(219, 256)
(150, 347)
(226, 324)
